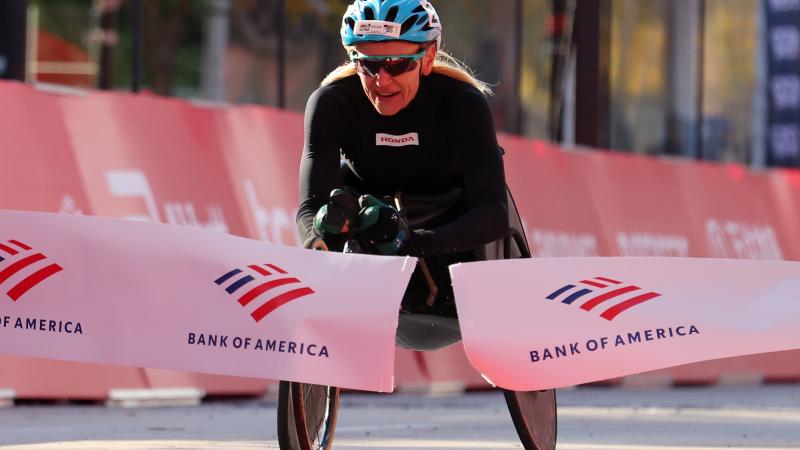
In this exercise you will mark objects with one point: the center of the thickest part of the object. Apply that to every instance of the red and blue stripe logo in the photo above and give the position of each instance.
(23, 268)
(245, 284)
(594, 292)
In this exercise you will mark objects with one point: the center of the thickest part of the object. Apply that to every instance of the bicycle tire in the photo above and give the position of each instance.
(307, 416)
(535, 417)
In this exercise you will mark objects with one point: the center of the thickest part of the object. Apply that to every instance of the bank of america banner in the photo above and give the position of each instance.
(783, 81)
(160, 296)
(553, 322)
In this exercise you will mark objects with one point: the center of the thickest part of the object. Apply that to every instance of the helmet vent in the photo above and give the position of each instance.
(369, 13)
(350, 22)
(427, 27)
(407, 24)
(392, 14)
(422, 19)
(419, 9)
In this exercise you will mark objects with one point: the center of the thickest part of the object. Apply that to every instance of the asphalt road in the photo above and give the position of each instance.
(589, 419)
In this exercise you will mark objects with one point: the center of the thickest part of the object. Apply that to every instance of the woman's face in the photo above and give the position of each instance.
(390, 94)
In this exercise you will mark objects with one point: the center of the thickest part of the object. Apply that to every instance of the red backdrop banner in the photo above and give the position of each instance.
(234, 169)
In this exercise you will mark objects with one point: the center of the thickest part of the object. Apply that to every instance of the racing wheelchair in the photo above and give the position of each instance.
(307, 413)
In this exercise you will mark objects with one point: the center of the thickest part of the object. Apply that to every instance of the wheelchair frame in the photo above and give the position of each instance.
(307, 413)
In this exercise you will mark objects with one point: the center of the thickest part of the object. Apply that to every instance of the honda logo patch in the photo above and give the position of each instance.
(397, 141)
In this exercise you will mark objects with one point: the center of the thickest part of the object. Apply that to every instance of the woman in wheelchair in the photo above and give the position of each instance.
(401, 158)
(402, 119)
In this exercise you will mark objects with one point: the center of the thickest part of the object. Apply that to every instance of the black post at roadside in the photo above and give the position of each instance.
(280, 25)
(13, 38)
(108, 26)
(137, 19)
(701, 44)
(518, 42)
(592, 39)
(556, 29)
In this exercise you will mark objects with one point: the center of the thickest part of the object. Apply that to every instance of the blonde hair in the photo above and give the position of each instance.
(444, 64)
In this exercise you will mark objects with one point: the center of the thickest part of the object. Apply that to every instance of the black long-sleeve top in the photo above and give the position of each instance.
(444, 138)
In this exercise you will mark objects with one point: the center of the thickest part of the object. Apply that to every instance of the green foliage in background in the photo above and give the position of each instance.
(182, 65)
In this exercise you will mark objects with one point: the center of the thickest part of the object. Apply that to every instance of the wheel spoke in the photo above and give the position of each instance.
(317, 411)
(307, 416)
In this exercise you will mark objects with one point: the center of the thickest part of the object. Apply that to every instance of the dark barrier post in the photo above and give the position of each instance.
(701, 51)
(592, 33)
(108, 28)
(280, 25)
(137, 19)
(559, 30)
(13, 29)
(518, 29)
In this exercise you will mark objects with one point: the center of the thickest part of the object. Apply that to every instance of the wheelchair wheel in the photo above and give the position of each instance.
(306, 416)
(534, 416)
(533, 413)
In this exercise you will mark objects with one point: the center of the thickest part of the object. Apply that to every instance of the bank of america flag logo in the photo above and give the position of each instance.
(263, 285)
(613, 295)
(23, 268)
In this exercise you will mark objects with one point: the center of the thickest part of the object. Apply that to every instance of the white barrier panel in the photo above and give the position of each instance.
(150, 295)
(552, 322)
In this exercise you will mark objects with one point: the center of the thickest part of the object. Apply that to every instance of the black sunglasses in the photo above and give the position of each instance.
(394, 65)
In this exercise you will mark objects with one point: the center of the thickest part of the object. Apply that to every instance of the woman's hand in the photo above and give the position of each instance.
(339, 215)
(381, 226)
(315, 243)
(320, 245)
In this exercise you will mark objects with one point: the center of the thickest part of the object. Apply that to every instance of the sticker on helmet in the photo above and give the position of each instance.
(378, 27)
(433, 18)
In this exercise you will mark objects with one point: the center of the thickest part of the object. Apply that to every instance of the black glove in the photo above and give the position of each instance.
(339, 215)
(419, 243)
(381, 227)
(352, 246)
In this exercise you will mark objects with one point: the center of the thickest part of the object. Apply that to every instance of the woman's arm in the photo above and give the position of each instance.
(471, 131)
(319, 166)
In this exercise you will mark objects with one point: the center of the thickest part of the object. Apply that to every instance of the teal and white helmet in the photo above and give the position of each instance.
(390, 20)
